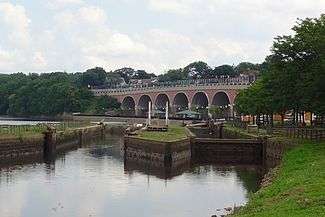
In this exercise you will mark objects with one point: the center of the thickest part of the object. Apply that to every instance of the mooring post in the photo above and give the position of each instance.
(50, 142)
(221, 131)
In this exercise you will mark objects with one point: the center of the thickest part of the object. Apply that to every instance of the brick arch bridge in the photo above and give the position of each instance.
(135, 100)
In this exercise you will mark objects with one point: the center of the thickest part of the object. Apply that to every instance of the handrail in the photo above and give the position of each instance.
(176, 84)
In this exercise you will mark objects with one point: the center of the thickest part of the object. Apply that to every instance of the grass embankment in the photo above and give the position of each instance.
(174, 133)
(35, 131)
(298, 188)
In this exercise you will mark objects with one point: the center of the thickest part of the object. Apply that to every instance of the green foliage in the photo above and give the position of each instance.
(216, 111)
(48, 94)
(104, 103)
(173, 75)
(244, 67)
(198, 70)
(94, 77)
(224, 70)
(293, 75)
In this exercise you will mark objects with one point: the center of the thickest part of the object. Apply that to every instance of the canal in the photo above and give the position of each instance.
(96, 181)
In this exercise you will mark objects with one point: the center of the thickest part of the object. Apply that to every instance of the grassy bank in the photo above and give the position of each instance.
(174, 133)
(298, 188)
(31, 131)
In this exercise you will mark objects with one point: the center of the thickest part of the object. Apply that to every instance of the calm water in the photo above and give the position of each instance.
(95, 181)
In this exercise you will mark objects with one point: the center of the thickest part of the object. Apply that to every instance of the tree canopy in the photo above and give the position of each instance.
(293, 75)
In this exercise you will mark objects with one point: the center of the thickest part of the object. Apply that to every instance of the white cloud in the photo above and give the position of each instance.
(80, 35)
(59, 4)
(14, 19)
(172, 6)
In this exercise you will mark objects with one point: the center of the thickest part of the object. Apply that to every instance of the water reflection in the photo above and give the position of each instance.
(95, 181)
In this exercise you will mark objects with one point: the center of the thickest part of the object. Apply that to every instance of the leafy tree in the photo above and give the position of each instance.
(197, 70)
(125, 73)
(243, 67)
(293, 75)
(141, 74)
(173, 75)
(224, 70)
(94, 77)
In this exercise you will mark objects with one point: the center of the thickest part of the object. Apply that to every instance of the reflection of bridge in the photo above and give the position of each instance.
(180, 96)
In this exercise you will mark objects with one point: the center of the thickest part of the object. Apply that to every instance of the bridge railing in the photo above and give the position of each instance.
(186, 83)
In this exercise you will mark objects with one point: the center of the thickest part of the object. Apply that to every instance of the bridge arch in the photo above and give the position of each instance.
(200, 100)
(128, 106)
(222, 100)
(200, 103)
(180, 102)
(143, 105)
(161, 100)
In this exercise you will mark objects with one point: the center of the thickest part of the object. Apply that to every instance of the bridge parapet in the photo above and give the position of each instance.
(231, 84)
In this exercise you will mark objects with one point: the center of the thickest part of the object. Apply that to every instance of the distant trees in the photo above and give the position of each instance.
(94, 77)
(293, 75)
(50, 94)
(225, 70)
(201, 70)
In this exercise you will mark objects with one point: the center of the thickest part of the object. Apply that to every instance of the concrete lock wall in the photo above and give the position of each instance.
(19, 149)
(16, 148)
(156, 152)
(228, 151)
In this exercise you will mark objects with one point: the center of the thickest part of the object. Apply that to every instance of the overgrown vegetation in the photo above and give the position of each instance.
(297, 190)
(174, 133)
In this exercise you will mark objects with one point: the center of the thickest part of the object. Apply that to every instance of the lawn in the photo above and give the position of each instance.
(174, 133)
(297, 190)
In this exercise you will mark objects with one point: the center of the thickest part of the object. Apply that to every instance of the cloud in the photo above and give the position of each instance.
(59, 4)
(172, 6)
(15, 21)
(79, 35)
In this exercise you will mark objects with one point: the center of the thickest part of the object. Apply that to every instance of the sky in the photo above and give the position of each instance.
(154, 35)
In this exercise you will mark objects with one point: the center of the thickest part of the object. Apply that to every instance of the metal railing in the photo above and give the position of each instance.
(243, 80)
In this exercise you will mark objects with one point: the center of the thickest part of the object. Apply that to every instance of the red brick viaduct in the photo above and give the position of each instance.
(179, 97)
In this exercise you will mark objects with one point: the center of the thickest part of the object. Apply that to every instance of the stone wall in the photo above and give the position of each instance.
(156, 152)
(228, 151)
(274, 147)
(13, 149)
(19, 149)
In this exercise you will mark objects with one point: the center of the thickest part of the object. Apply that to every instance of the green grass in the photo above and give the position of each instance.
(36, 130)
(174, 133)
(297, 190)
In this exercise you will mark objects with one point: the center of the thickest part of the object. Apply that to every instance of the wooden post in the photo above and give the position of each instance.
(49, 143)
(167, 113)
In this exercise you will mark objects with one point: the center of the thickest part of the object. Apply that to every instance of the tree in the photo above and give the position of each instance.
(94, 77)
(293, 75)
(244, 67)
(141, 74)
(198, 70)
(224, 70)
(173, 75)
(105, 103)
(125, 73)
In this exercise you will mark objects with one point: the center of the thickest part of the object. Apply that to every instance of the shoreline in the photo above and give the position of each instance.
(283, 191)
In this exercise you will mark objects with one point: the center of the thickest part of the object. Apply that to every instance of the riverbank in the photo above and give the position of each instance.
(297, 188)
